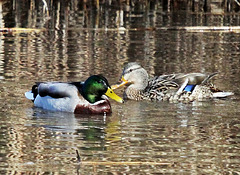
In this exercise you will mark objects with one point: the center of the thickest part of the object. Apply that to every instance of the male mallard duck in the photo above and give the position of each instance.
(78, 97)
(172, 87)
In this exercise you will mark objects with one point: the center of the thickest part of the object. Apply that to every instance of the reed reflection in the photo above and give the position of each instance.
(77, 40)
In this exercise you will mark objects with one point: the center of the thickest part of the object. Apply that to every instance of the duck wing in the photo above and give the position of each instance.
(178, 80)
(54, 89)
(193, 78)
(162, 83)
(161, 87)
(187, 82)
(165, 85)
(58, 89)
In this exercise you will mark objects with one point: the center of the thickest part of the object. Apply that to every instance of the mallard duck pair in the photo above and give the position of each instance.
(91, 96)
(173, 87)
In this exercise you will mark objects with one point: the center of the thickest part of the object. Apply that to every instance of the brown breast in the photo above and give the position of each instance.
(96, 108)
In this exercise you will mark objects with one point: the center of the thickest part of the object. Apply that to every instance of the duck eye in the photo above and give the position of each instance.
(130, 70)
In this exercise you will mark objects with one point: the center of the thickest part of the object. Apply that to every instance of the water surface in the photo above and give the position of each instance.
(139, 137)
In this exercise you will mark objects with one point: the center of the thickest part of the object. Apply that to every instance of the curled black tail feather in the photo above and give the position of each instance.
(35, 91)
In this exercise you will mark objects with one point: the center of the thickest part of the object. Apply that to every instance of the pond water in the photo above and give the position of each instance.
(77, 41)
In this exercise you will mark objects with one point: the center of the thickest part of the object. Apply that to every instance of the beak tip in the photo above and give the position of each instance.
(114, 96)
(120, 100)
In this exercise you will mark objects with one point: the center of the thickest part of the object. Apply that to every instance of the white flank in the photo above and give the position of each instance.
(29, 95)
(56, 104)
(222, 94)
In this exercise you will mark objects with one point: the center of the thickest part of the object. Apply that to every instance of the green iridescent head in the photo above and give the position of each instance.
(95, 87)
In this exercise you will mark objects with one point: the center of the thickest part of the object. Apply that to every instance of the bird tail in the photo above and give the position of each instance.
(222, 94)
(29, 95)
(210, 76)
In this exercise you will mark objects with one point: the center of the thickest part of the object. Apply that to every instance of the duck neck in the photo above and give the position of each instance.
(135, 91)
(90, 98)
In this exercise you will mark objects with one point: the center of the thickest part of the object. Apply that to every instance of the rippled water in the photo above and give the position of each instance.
(139, 137)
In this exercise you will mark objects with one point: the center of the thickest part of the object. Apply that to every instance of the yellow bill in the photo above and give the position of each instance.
(114, 96)
(121, 84)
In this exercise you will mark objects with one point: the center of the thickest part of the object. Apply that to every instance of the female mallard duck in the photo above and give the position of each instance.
(79, 97)
(172, 87)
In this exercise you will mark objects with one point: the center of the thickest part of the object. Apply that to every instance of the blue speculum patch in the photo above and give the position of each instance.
(189, 88)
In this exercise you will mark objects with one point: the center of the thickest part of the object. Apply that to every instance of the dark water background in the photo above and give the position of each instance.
(78, 40)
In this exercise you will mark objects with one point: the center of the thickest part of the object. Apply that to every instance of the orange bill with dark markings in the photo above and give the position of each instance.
(121, 84)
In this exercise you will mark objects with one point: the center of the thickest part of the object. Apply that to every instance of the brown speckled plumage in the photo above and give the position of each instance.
(168, 87)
